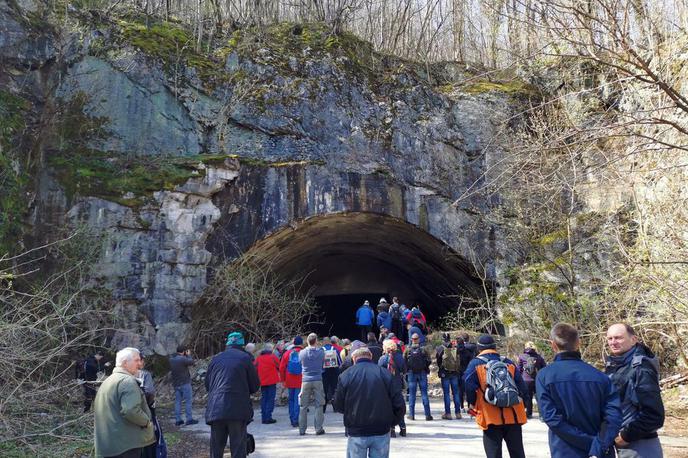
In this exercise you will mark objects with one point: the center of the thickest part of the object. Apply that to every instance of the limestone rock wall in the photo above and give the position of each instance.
(266, 141)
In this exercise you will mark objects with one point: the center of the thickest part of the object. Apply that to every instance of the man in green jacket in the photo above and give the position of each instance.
(122, 418)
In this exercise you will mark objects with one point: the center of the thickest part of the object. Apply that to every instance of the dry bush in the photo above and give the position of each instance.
(600, 208)
(245, 295)
(51, 311)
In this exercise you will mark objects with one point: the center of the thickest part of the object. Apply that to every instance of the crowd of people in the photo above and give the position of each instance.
(374, 383)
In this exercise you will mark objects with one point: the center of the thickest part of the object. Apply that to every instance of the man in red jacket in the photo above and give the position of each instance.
(290, 375)
(268, 367)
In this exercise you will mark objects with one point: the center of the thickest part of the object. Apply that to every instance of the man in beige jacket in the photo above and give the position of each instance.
(122, 417)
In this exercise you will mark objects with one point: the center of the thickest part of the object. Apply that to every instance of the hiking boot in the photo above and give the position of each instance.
(428, 418)
(179, 422)
(302, 433)
(446, 416)
(392, 433)
(410, 417)
(458, 415)
(402, 432)
(320, 432)
(269, 421)
(191, 422)
(294, 425)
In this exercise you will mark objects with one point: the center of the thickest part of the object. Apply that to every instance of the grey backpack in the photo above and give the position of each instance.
(501, 389)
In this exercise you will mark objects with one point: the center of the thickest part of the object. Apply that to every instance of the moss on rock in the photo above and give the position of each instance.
(173, 44)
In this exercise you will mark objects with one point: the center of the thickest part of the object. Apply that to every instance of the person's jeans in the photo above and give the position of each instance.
(368, 447)
(311, 392)
(294, 405)
(182, 392)
(365, 329)
(235, 430)
(462, 389)
(415, 380)
(267, 401)
(642, 448)
(451, 382)
(511, 434)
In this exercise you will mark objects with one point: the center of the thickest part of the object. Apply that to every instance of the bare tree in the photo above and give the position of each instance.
(246, 295)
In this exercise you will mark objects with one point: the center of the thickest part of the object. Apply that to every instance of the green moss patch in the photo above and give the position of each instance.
(113, 177)
(174, 45)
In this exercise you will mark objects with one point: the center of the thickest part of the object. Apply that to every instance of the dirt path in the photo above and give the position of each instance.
(425, 439)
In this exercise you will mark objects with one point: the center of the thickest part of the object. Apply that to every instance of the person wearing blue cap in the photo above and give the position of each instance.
(230, 381)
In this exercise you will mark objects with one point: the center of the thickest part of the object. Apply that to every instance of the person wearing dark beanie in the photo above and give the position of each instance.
(499, 410)
(486, 342)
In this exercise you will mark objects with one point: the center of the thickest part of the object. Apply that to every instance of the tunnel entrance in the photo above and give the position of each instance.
(338, 313)
(346, 258)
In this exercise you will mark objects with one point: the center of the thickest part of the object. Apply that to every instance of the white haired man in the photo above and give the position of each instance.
(123, 421)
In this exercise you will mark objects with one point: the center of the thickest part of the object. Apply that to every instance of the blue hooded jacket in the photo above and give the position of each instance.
(580, 406)
(636, 375)
(384, 319)
(364, 316)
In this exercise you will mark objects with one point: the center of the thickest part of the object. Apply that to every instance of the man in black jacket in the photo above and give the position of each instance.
(87, 371)
(371, 404)
(374, 347)
(634, 369)
(230, 381)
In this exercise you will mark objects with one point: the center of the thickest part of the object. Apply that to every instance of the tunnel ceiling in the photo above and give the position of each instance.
(360, 253)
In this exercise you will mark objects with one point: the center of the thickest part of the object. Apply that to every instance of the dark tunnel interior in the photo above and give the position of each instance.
(347, 258)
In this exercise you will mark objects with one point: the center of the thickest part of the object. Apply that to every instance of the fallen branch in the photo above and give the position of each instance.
(674, 380)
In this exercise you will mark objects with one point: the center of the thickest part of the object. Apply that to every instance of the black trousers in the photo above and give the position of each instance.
(133, 453)
(89, 396)
(220, 431)
(364, 332)
(329, 379)
(511, 434)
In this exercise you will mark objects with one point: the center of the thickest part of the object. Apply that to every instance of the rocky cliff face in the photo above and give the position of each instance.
(179, 155)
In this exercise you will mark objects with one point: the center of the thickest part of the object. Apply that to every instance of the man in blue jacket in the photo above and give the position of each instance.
(579, 404)
(230, 381)
(364, 319)
(634, 370)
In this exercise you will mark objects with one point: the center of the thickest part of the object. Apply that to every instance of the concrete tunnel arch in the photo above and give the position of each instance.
(351, 256)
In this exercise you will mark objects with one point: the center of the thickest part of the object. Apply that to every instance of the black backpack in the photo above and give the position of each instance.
(416, 360)
(531, 366)
(395, 313)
